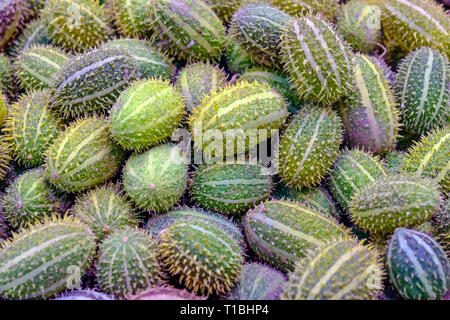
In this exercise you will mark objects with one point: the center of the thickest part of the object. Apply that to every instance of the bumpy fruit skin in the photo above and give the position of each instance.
(105, 211)
(394, 161)
(165, 293)
(33, 34)
(352, 171)
(5, 157)
(85, 295)
(370, 114)
(328, 8)
(29, 199)
(128, 262)
(206, 259)
(76, 24)
(156, 180)
(193, 30)
(146, 113)
(83, 156)
(6, 72)
(3, 109)
(422, 89)
(280, 232)
(309, 146)
(258, 282)
(418, 266)
(224, 9)
(231, 188)
(394, 201)
(93, 81)
(340, 270)
(13, 14)
(39, 261)
(317, 59)
(237, 58)
(430, 158)
(131, 17)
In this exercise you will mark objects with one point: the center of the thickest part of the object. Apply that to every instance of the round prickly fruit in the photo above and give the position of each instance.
(156, 180)
(84, 295)
(146, 113)
(418, 266)
(205, 258)
(237, 58)
(5, 157)
(328, 8)
(13, 14)
(6, 72)
(394, 161)
(34, 34)
(42, 260)
(131, 17)
(307, 156)
(128, 262)
(3, 109)
(83, 156)
(165, 293)
(280, 232)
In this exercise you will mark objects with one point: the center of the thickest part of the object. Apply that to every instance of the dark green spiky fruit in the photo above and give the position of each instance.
(231, 188)
(105, 211)
(430, 158)
(198, 80)
(146, 113)
(156, 180)
(309, 146)
(258, 282)
(127, 263)
(3, 109)
(83, 156)
(370, 115)
(5, 157)
(394, 201)
(34, 34)
(340, 270)
(44, 259)
(328, 8)
(76, 24)
(131, 17)
(422, 89)
(85, 295)
(93, 81)
(317, 59)
(418, 266)
(280, 232)
(237, 58)
(441, 227)
(394, 161)
(206, 259)
(224, 9)
(192, 29)
(35, 6)
(258, 27)
(165, 293)
(352, 171)
(6, 73)
(152, 63)
(13, 14)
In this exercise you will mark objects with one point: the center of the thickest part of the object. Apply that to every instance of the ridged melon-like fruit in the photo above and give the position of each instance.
(13, 14)
(33, 34)
(328, 8)
(237, 58)
(394, 161)
(6, 73)
(131, 17)
(3, 109)
(5, 157)
(225, 9)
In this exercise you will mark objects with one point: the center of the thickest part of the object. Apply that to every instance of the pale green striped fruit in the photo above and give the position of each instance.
(33, 34)
(131, 17)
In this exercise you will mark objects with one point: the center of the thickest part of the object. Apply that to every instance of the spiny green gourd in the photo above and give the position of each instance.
(85, 295)
(394, 161)
(146, 113)
(5, 157)
(165, 293)
(128, 262)
(317, 59)
(83, 156)
(441, 227)
(93, 81)
(35, 6)
(29, 199)
(340, 270)
(422, 89)
(105, 211)
(3, 109)
(33, 34)
(395, 201)
(309, 146)
(76, 24)
(206, 259)
(131, 17)
(431, 158)
(6, 73)
(13, 14)
(193, 30)
(418, 266)
(352, 171)
(155, 180)
(370, 114)
(237, 58)
(328, 8)
(43, 259)
(225, 9)
(280, 232)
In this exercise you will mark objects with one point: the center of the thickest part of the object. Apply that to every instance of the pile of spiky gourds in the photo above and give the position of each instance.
(99, 203)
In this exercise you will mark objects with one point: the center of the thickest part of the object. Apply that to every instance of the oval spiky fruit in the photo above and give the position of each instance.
(328, 8)
(422, 88)
(32, 127)
(340, 270)
(131, 17)
(352, 171)
(394, 161)
(430, 158)
(3, 109)
(41, 260)
(156, 180)
(192, 29)
(135, 268)
(418, 266)
(29, 199)
(146, 113)
(317, 59)
(6, 73)
(224, 9)
(307, 156)
(280, 232)
(76, 24)
(85, 295)
(83, 156)
(105, 211)
(13, 14)
(394, 201)
(34, 34)
(92, 82)
(237, 58)
(206, 259)
(165, 293)
(5, 157)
